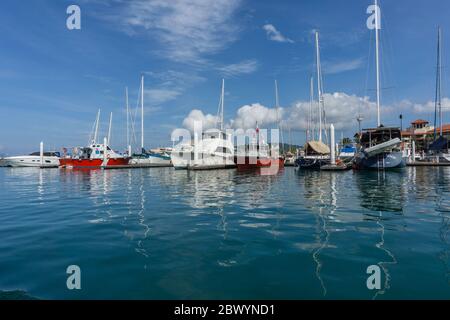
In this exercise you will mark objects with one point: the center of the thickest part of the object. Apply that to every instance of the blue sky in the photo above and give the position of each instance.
(52, 80)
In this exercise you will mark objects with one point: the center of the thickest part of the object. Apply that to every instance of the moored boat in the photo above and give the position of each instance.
(379, 148)
(257, 155)
(48, 160)
(95, 156)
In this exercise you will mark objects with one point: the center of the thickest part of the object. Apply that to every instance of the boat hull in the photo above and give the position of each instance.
(92, 163)
(382, 161)
(311, 163)
(252, 163)
(31, 162)
(151, 161)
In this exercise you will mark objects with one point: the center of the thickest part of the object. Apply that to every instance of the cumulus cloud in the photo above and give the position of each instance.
(248, 115)
(275, 35)
(208, 121)
(420, 108)
(341, 109)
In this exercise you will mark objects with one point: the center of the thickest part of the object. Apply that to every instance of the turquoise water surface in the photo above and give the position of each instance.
(166, 234)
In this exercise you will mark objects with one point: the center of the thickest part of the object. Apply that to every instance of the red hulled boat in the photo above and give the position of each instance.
(258, 155)
(95, 156)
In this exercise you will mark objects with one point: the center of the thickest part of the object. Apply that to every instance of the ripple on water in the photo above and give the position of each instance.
(161, 233)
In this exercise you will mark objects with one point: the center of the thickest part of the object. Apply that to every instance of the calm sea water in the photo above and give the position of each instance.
(166, 234)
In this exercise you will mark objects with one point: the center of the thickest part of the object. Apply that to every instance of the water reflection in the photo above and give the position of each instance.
(321, 197)
(383, 193)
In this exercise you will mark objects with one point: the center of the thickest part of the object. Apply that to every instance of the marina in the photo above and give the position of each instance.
(229, 150)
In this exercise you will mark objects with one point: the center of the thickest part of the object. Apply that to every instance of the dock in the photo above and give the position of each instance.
(428, 164)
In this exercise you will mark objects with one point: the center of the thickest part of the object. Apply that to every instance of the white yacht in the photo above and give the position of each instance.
(181, 155)
(214, 150)
(48, 160)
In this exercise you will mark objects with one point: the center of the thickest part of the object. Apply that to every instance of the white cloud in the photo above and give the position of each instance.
(342, 66)
(172, 78)
(186, 29)
(248, 115)
(159, 96)
(341, 109)
(244, 67)
(275, 35)
(208, 121)
(420, 108)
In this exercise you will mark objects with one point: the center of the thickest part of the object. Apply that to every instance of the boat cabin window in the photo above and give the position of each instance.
(223, 150)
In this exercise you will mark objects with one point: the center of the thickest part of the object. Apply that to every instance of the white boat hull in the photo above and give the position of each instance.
(32, 161)
(151, 162)
(209, 162)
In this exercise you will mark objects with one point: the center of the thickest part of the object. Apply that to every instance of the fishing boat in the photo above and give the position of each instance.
(316, 152)
(94, 156)
(35, 159)
(215, 150)
(381, 147)
(147, 158)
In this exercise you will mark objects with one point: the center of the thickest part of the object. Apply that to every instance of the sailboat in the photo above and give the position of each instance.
(439, 149)
(146, 158)
(316, 153)
(380, 147)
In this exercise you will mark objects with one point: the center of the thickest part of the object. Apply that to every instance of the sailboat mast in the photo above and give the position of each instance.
(222, 103)
(142, 113)
(109, 129)
(128, 116)
(319, 84)
(96, 127)
(277, 106)
(438, 106)
(377, 54)
(311, 103)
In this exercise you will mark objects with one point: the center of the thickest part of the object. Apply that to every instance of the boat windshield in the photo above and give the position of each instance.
(46, 154)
